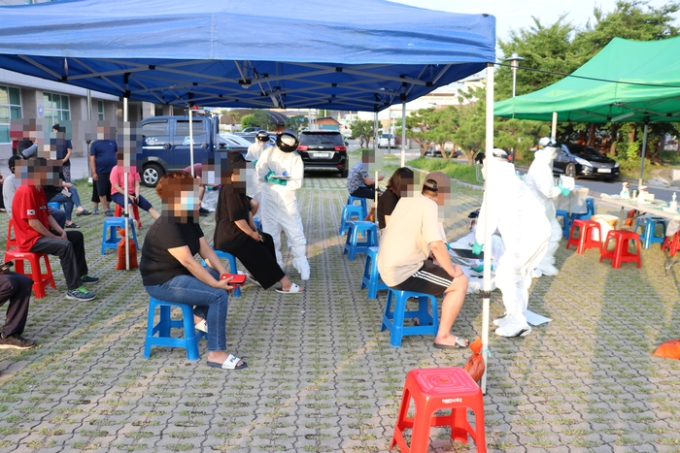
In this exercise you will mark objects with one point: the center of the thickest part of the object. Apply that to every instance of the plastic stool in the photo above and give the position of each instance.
(566, 222)
(54, 204)
(111, 225)
(394, 320)
(135, 212)
(672, 244)
(11, 239)
(362, 201)
(352, 244)
(435, 389)
(349, 212)
(590, 206)
(190, 339)
(585, 239)
(620, 254)
(40, 279)
(649, 237)
(232, 265)
(371, 278)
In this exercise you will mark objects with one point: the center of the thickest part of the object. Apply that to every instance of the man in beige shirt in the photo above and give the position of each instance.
(413, 255)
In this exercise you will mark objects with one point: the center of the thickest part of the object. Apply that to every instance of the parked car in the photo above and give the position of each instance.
(578, 160)
(250, 129)
(166, 144)
(324, 150)
(250, 137)
(233, 143)
(386, 141)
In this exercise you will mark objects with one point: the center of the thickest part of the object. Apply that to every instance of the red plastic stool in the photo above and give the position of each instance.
(672, 244)
(435, 389)
(135, 211)
(11, 240)
(40, 280)
(620, 254)
(584, 240)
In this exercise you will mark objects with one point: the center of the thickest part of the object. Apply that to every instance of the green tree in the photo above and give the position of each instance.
(297, 123)
(470, 134)
(418, 124)
(364, 131)
(259, 118)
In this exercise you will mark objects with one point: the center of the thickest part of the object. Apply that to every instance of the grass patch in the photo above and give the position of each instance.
(461, 172)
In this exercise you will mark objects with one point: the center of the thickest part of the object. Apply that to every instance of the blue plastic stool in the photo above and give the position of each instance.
(111, 224)
(188, 342)
(349, 212)
(649, 237)
(54, 204)
(352, 244)
(566, 223)
(232, 265)
(371, 278)
(364, 209)
(590, 206)
(394, 320)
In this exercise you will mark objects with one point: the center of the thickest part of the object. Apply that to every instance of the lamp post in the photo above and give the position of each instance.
(514, 62)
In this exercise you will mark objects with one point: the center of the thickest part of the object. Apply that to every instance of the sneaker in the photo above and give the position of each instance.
(95, 211)
(204, 212)
(83, 212)
(89, 279)
(109, 213)
(16, 342)
(80, 294)
(202, 325)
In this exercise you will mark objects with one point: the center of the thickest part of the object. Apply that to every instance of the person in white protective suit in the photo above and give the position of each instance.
(513, 210)
(540, 179)
(253, 155)
(280, 171)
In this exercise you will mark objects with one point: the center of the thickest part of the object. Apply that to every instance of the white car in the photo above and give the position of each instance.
(386, 141)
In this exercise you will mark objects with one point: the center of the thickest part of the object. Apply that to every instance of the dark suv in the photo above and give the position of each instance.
(323, 150)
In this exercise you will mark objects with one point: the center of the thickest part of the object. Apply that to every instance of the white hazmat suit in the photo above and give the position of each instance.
(279, 209)
(512, 209)
(540, 179)
(254, 152)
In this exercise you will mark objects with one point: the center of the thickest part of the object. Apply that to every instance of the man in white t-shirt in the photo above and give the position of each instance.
(413, 255)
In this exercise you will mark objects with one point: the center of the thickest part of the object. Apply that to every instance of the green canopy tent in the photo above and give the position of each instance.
(632, 81)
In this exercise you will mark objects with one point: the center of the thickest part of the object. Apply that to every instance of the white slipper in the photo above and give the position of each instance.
(294, 289)
(202, 325)
(229, 364)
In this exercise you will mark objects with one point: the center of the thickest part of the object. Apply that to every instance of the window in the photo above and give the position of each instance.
(56, 108)
(182, 133)
(10, 108)
(100, 110)
(155, 134)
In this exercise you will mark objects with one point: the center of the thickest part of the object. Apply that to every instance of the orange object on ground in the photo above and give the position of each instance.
(435, 389)
(669, 349)
(475, 365)
(630, 217)
(120, 265)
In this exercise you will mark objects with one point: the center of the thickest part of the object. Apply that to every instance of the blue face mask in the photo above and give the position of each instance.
(189, 201)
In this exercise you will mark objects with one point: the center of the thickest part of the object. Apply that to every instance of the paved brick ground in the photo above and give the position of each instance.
(323, 378)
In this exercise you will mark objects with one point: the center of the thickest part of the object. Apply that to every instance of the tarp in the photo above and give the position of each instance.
(352, 55)
(646, 87)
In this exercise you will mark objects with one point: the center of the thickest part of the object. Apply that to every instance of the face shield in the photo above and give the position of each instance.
(482, 163)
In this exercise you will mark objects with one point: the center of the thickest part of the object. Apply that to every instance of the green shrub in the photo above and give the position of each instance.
(461, 172)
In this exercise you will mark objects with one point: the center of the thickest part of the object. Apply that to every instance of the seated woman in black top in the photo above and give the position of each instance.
(235, 230)
(398, 185)
(170, 273)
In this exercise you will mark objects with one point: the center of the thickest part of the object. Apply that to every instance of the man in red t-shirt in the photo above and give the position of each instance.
(32, 224)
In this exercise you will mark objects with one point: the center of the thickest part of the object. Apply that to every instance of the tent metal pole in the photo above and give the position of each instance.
(126, 149)
(191, 140)
(403, 134)
(553, 131)
(89, 118)
(486, 293)
(644, 150)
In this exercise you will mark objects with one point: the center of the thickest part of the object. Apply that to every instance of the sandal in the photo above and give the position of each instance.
(72, 225)
(459, 343)
(229, 364)
(202, 326)
(294, 289)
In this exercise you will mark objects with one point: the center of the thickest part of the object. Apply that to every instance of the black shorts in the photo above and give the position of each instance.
(104, 185)
(429, 279)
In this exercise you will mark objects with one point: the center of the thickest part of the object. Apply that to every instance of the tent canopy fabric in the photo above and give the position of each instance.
(356, 55)
(646, 87)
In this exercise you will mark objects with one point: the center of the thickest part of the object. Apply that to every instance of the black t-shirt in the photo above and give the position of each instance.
(386, 204)
(232, 206)
(158, 265)
(51, 191)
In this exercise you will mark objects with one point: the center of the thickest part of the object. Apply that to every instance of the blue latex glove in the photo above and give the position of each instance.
(279, 181)
(269, 175)
(565, 191)
(477, 248)
(478, 269)
(255, 163)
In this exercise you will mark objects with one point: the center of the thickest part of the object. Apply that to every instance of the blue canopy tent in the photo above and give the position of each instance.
(354, 55)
